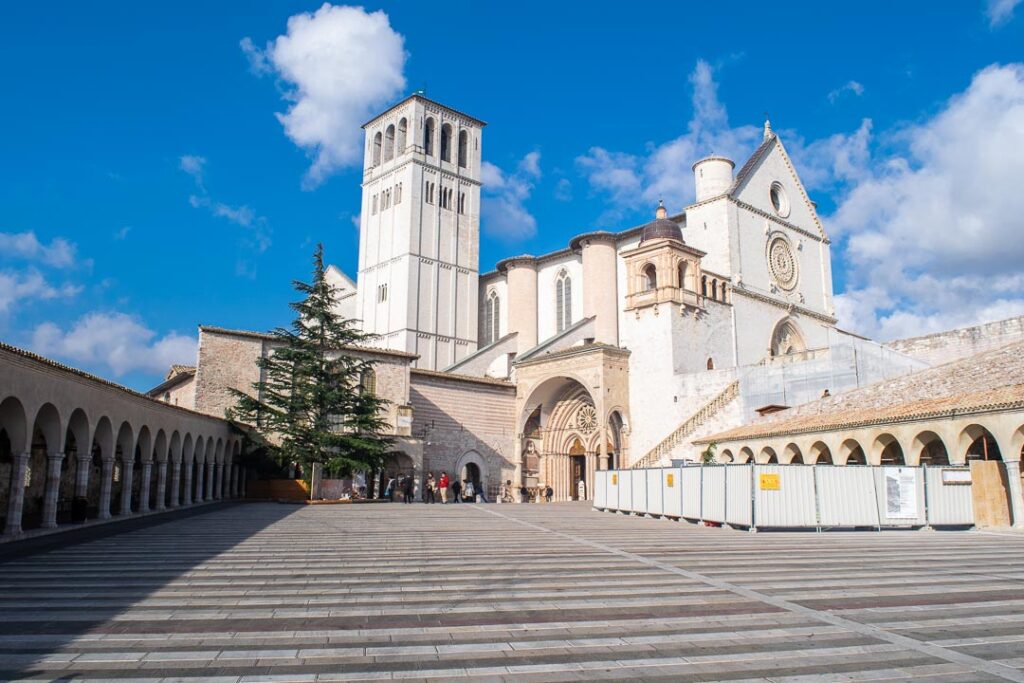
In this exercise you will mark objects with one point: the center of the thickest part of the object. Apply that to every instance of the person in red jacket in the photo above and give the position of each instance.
(442, 485)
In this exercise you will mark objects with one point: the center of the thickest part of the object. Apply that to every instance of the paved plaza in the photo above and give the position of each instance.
(262, 591)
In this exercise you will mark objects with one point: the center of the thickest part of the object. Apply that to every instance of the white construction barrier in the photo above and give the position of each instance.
(793, 496)
(948, 499)
(655, 492)
(846, 496)
(626, 489)
(671, 492)
(601, 489)
(784, 496)
(690, 479)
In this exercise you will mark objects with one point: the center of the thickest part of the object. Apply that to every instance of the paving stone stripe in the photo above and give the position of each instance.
(508, 593)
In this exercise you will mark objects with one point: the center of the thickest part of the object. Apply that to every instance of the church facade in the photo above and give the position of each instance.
(617, 351)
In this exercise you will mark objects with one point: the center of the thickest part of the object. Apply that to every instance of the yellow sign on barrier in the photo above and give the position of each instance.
(615, 479)
(769, 482)
(670, 479)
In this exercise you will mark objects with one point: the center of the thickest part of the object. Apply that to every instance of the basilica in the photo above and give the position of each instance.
(623, 349)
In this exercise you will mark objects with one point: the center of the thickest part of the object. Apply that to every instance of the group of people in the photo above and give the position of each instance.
(442, 488)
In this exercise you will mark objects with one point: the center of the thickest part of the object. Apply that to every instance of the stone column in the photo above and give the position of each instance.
(82, 475)
(52, 492)
(1016, 500)
(106, 485)
(161, 484)
(127, 472)
(218, 481)
(16, 496)
(200, 470)
(175, 483)
(187, 491)
(208, 480)
(147, 473)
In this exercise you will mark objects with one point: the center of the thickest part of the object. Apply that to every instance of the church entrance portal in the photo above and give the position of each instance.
(579, 474)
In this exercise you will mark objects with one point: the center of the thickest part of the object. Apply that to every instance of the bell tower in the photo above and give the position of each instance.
(419, 231)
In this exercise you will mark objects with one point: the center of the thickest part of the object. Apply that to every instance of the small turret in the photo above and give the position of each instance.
(712, 176)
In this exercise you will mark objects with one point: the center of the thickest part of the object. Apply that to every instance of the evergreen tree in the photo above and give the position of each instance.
(311, 405)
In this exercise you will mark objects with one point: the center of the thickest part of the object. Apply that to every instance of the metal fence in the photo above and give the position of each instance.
(792, 496)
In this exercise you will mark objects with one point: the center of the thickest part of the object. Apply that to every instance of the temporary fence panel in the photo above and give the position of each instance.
(949, 495)
(899, 492)
(846, 495)
(614, 486)
(640, 491)
(655, 498)
(671, 499)
(600, 488)
(713, 493)
(784, 496)
(626, 490)
(690, 483)
(737, 495)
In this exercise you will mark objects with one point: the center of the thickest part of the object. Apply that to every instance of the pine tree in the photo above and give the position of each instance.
(311, 405)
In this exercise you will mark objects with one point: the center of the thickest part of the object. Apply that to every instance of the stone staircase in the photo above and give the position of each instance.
(687, 428)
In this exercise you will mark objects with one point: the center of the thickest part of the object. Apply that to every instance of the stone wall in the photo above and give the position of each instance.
(462, 419)
(943, 347)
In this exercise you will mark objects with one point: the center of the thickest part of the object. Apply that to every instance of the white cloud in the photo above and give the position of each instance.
(503, 211)
(635, 182)
(849, 87)
(937, 224)
(563, 190)
(18, 287)
(1000, 12)
(114, 341)
(258, 238)
(341, 65)
(59, 253)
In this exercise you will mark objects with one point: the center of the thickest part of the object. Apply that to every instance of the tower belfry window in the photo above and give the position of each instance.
(463, 148)
(446, 142)
(376, 149)
(389, 143)
(402, 132)
(492, 318)
(428, 137)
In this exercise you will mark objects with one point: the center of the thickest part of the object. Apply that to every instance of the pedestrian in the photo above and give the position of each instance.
(428, 496)
(549, 493)
(443, 486)
(469, 491)
(581, 490)
(456, 491)
(524, 494)
(407, 488)
(388, 490)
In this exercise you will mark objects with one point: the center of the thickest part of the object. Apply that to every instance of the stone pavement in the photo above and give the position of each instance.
(256, 591)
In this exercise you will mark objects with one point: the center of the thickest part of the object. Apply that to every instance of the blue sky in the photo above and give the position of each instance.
(149, 185)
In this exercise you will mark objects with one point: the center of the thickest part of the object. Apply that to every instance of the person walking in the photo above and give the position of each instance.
(443, 486)
(469, 491)
(428, 495)
(456, 491)
(407, 488)
(549, 493)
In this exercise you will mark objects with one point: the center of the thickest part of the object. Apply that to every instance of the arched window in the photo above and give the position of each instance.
(492, 318)
(650, 277)
(398, 193)
(428, 137)
(463, 148)
(376, 149)
(430, 192)
(787, 339)
(389, 143)
(402, 131)
(462, 202)
(714, 289)
(682, 275)
(446, 142)
(704, 286)
(711, 364)
(563, 301)
(368, 382)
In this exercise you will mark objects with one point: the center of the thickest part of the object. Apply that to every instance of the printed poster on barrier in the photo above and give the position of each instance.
(900, 493)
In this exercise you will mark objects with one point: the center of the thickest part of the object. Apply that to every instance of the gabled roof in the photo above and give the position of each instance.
(551, 341)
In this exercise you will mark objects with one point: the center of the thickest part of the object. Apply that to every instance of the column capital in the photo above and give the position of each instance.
(55, 455)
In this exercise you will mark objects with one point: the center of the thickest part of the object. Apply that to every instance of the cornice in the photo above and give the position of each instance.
(803, 310)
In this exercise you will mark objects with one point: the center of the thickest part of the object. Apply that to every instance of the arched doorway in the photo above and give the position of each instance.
(472, 468)
(577, 471)
(396, 466)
